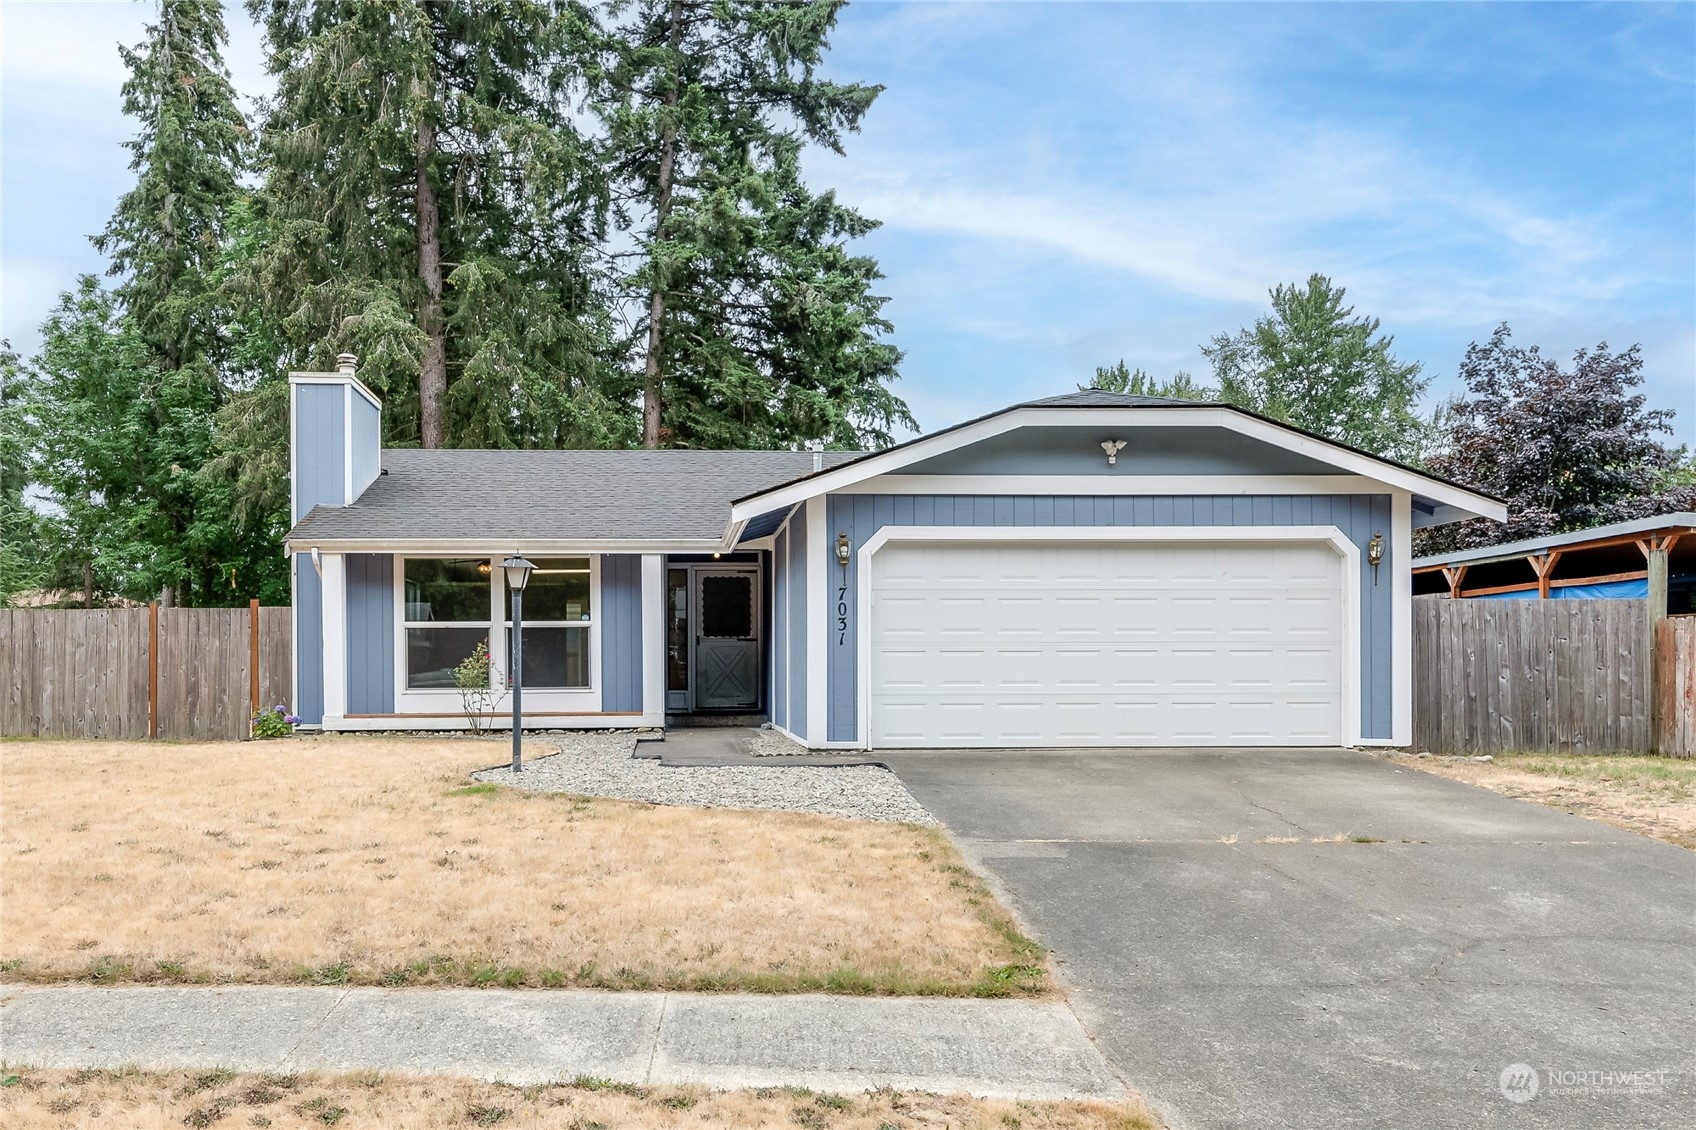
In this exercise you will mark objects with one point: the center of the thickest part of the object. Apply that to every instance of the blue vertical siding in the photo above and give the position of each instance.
(797, 593)
(317, 462)
(367, 443)
(370, 633)
(1357, 516)
(309, 642)
(621, 633)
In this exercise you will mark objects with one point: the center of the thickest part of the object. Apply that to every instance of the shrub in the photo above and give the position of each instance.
(276, 722)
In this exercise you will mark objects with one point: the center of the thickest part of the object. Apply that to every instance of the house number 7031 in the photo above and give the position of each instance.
(842, 614)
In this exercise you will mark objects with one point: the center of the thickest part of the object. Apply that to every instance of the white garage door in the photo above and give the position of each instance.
(1128, 643)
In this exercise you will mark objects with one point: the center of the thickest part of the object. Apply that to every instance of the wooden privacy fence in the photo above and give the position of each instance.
(140, 672)
(1531, 674)
(1675, 643)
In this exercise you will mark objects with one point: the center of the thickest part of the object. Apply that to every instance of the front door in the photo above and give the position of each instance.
(727, 639)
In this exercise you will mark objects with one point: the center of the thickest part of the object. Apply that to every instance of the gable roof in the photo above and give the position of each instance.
(1441, 498)
(447, 495)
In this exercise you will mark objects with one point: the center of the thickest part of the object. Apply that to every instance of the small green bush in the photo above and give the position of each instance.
(276, 722)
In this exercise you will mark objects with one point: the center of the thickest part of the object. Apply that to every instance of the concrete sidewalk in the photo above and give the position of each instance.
(1004, 1049)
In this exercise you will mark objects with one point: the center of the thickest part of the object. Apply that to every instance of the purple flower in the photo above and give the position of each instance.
(291, 719)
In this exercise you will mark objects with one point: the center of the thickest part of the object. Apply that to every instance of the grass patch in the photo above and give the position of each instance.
(353, 860)
(1652, 796)
(157, 1100)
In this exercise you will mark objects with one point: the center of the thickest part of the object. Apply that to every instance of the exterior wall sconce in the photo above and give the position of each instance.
(1112, 447)
(843, 549)
(1375, 554)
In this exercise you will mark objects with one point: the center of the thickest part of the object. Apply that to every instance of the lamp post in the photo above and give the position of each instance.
(517, 576)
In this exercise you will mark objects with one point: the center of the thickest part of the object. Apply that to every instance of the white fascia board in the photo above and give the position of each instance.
(841, 478)
(1401, 619)
(354, 383)
(485, 547)
(1102, 485)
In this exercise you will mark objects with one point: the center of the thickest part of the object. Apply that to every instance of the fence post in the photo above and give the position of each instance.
(252, 662)
(153, 668)
(1656, 551)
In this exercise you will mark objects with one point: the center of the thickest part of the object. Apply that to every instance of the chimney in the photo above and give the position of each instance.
(335, 438)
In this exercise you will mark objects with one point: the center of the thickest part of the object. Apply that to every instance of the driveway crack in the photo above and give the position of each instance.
(316, 1024)
(654, 1052)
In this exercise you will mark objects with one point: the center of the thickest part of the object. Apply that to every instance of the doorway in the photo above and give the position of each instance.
(713, 638)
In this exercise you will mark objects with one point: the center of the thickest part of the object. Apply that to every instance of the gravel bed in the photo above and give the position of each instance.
(599, 764)
(773, 743)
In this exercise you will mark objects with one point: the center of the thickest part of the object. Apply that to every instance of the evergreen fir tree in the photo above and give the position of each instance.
(427, 204)
(754, 325)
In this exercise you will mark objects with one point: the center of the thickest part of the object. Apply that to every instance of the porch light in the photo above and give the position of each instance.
(1375, 554)
(842, 550)
(517, 576)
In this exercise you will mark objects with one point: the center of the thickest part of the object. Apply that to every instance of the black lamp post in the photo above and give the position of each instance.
(517, 576)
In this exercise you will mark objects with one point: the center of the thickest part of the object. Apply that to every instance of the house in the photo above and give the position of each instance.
(1093, 569)
(1611, 562)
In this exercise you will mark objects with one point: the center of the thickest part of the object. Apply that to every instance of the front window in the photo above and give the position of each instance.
(447, 616)
(557, 618)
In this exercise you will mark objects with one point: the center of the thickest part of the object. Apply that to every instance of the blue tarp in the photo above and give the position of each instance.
(1608, 590)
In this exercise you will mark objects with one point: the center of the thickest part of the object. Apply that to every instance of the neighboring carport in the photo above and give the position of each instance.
(1318, 938)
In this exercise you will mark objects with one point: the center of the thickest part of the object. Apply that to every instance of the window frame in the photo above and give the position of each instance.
(588, 626)
(446, 701)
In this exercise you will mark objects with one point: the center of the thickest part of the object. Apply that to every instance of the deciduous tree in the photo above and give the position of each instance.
(1137, 382)
(1568, 448)
(1315, 364)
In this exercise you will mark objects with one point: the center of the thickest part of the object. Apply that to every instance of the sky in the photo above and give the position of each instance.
(1064, 185)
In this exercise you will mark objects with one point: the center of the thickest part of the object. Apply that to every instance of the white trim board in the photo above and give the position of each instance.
(840, 478)
(1118, 485)
(1400, 574)
(1331, 535)
(346, 379)
(501, 547)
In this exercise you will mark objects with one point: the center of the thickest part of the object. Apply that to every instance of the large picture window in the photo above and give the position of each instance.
(557, 619)
(446, 614)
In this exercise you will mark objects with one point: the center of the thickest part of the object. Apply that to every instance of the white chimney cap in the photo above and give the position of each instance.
(346, 362)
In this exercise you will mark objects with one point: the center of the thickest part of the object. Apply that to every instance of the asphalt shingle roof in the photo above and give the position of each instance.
(454, 494)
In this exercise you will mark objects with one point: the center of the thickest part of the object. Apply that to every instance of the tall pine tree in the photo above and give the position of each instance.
(754, 325)
(427, 204)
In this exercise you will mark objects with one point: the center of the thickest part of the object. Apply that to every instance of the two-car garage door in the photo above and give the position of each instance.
(1110, 643)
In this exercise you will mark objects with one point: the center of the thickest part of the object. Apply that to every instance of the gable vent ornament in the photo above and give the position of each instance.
(1112, 447)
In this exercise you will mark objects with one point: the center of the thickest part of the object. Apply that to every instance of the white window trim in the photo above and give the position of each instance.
(537, 701)
(1330, 535)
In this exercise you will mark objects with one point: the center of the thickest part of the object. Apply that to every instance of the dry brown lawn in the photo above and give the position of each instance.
(1653, 796)
(157, 1100)
(353, 860)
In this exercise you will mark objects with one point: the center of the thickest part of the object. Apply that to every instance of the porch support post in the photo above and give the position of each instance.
(1656, 551)
(653, 639)
(334, 603)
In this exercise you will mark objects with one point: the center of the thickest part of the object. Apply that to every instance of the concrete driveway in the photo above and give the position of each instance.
(1241, 974)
